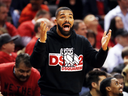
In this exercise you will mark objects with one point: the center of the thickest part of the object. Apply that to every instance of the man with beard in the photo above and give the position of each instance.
(62, 55)
(19, 78)
(111, 87)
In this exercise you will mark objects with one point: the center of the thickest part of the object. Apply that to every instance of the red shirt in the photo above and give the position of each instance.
(30, 46)
(26, 29)
(11, 29)
(28, 14)
(100, 7)
(5, 58)
(98, 39)
(11, 86)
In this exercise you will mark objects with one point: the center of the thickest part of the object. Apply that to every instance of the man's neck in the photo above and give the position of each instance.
(93, 92)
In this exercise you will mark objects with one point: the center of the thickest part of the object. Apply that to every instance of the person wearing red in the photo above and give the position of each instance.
(26, 29)
(3, 20)
(7, 47)
(29, 12)
(19, 78)
(30, 46)
(92, 24)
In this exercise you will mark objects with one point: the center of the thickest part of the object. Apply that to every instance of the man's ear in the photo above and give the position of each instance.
(94, 85)
(55, 21)
(108, 88)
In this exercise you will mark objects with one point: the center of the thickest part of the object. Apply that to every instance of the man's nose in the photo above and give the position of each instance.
(66, 19)
(24, 74)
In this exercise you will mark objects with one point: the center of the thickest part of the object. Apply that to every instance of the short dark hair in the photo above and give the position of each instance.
(23, 58)
(76, 24)
(41, 12)
(124, 52)
(61, 8)
(105, 83)
(118, 76)
(93, 76)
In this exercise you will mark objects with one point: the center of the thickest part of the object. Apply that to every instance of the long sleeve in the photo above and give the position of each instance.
(38, 54)
(94, 58)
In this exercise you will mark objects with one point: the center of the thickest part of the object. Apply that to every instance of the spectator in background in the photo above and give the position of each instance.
(75, 5)
(3, 20)
(26, 29)
(125, 75)
(29, 12)
(111, 87)
(119, 10)
(91, 36)
(99, 8)
(121, 66)
(19, 78)
(93, 79)
(120, 78)
(7, 47)
(13, 15)
(114, 57)
(115, 24)
(30, 46)
(92, 24)
(80, 27)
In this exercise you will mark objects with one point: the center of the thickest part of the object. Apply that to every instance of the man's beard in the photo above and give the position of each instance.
(65, 33)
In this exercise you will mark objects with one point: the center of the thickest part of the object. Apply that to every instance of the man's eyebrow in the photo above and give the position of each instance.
(61, 14)
(70, 14)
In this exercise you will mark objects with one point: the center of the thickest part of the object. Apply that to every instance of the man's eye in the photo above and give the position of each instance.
(116, 83)
(21, 71)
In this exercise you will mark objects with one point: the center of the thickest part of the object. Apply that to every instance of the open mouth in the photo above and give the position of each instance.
(121, 90)
(66, 27)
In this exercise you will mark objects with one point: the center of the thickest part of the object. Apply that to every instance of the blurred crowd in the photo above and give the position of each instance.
(20, 28)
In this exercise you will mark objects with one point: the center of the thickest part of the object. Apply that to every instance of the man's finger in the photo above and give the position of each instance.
(104, 34)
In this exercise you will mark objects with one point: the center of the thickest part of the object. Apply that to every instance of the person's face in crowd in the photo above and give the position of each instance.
(119, 23)
(121, 81)
(72, 2)
(36, 4)
(91, 39)
(3, 14)
(123, 40)
(64, 22)
(92, 20)
(101, 78)
(9, 47)
(123, 3)
(7, 3)
(115, 87)
(22, 72)
(82, 29)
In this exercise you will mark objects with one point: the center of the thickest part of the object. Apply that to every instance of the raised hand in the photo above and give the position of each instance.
(105, 40)
(43, 32)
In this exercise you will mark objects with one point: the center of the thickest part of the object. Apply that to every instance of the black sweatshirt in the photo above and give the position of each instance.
(62, 63)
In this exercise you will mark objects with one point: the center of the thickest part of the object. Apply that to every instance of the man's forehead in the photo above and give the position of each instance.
(114, 80)
(65, 12)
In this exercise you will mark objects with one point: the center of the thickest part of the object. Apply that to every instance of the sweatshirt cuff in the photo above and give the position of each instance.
(40, 46)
